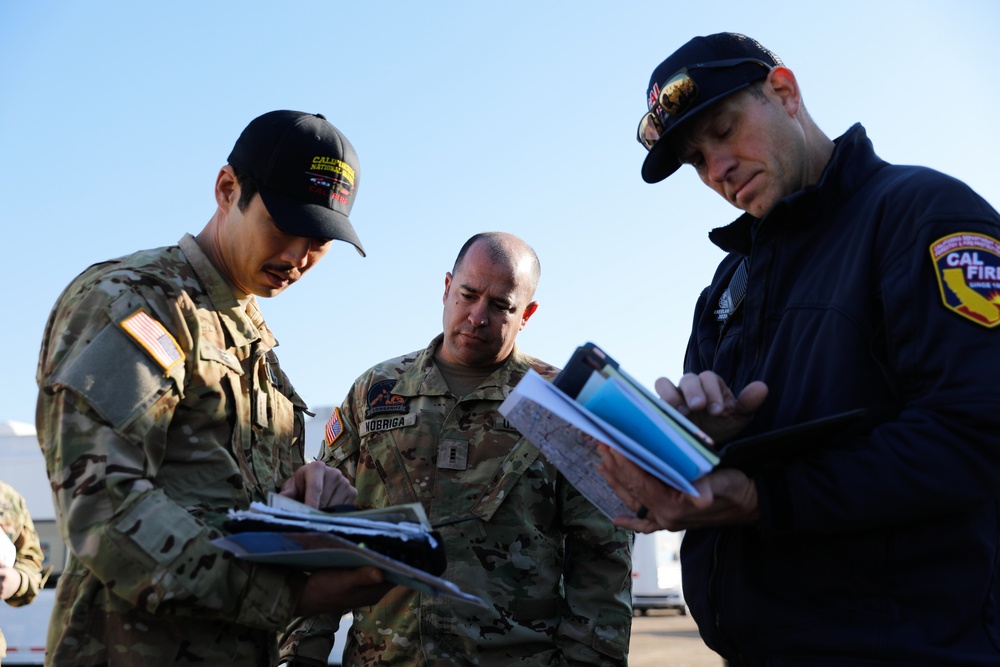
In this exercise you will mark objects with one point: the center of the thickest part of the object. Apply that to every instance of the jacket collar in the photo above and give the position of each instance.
(851, 165)
(231, 310)
(422, 377)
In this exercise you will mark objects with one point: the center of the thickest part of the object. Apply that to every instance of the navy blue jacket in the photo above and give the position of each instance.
(881, 547)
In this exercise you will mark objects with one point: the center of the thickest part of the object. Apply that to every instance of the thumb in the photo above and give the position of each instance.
(289, 488)
(752, 397)
(368, 576)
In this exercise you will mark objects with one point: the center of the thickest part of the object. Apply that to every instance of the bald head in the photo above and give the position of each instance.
(506, 250)
(488, 299)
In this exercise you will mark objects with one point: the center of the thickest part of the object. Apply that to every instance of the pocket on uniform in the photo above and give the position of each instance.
(612, 632)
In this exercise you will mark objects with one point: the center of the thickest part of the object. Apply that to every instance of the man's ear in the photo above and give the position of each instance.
(227, 189)
(782, 83)
(447, 284)
(529, 310)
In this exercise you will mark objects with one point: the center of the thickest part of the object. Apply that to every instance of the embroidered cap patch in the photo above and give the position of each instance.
(968, 272)
(154, 338)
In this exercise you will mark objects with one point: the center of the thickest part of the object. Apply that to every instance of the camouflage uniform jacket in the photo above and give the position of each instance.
(15, 523)
(554, 570)
(161, 406)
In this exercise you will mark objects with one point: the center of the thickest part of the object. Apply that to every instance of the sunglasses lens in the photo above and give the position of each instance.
(675, 98)
(678, 93)
(650, 130)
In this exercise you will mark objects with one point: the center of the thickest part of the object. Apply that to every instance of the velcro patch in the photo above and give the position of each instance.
(967, 266)
(386, 423)
(334, 427)
(154, 338)
(501, 424)
(116, 378)
(381, 399)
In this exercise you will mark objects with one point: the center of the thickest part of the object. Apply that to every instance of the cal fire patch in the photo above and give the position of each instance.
(968, 272)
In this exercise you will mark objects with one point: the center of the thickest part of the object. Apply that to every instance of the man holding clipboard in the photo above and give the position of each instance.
(849, 283)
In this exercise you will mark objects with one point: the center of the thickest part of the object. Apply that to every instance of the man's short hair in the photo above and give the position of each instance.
(498, 247)
(248, 188)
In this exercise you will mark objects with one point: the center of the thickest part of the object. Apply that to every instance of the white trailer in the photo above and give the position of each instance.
(23, 467)
(656, 573)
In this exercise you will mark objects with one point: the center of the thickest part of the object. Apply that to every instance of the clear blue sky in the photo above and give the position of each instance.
(468, 116)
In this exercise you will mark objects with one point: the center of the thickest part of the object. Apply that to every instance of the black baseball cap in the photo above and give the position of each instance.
(306, 171)
(713, 84)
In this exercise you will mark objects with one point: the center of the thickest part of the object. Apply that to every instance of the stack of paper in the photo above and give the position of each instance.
(594, 400)
(621, 406)
(530, 407)
(398, 540)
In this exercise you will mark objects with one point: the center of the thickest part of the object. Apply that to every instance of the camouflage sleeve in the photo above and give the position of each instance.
(343, 450)
(18, 526)
(311, 639)
(598, 585)
(154, 553)
(106, 444)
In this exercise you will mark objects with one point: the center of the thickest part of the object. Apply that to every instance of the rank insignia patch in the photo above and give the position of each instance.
(334, 427)
(967, 266)
(381, 400)
(154, 338)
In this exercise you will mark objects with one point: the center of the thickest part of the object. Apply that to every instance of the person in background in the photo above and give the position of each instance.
(850, 284)
(425, 428)
(21, 575)
(162, 406)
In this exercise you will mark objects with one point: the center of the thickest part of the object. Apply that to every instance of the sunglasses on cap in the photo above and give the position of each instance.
(677, 96)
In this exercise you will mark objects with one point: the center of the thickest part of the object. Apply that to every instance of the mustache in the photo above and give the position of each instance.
(286, 269)
(474, 332)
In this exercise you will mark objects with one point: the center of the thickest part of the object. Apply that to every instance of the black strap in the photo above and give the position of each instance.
(733, 296)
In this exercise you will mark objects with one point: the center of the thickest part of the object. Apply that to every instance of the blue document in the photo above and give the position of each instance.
(617, 404)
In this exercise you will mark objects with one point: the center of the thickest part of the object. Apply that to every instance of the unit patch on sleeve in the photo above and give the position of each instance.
(154, 338)
(967, 266)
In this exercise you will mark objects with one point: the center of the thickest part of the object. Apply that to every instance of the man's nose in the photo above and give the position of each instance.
(719, 164)
(296, 251)
(478, 315)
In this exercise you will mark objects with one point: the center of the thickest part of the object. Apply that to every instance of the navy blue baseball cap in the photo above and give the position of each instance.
(306, 171)
(703, 71)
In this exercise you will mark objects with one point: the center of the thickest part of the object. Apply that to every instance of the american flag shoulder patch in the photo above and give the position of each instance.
(154, 338)
(334, 427)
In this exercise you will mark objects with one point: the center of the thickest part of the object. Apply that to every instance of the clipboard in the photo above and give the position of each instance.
(783, 443)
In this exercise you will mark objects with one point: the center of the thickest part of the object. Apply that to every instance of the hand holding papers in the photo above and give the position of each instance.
(566, 431)
(398, 540)
(593, 399)
(8, 552)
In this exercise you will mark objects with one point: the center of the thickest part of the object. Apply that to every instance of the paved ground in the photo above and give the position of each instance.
(663, 638)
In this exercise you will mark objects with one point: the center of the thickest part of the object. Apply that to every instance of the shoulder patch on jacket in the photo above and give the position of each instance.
(154, 338)
(381, 400)
(967, 266)
(334, 427)
(116, 378)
